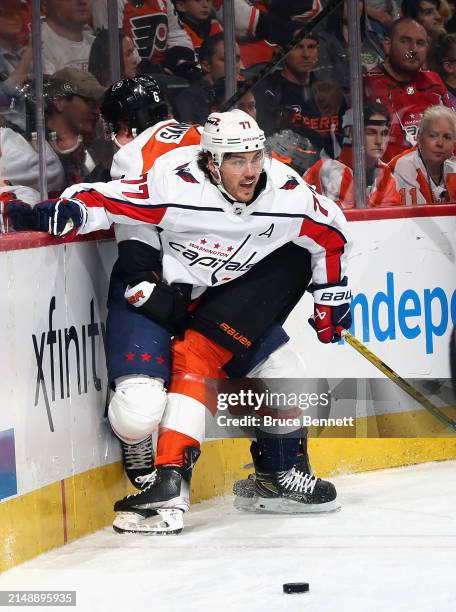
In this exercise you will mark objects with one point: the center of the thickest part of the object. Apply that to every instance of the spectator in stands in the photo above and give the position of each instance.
(192, 105)
(334, 178)
(321, 117)
(425, 12)
(334, 45)
(15, 63)
(247, 103)
(72, 99)
(403, 86)
(290, 86)
(442, 59)
(197, 19)
(426, 174)
(382, 13)
(20, 170)
(67, 38)
(153, 26)
(100, 58)
(262, 25)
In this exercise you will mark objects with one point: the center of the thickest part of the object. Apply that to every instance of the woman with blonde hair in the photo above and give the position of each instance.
(426, 174)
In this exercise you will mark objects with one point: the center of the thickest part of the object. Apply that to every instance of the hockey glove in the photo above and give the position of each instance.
(19, 215)
(331, 310)
(58, 217)
(165, 304)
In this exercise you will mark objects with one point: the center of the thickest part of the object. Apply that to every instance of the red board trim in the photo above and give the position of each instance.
(16, 241)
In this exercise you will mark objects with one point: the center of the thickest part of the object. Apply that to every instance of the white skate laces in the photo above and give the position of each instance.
(295, 480)
(148, 479)
(138, 456)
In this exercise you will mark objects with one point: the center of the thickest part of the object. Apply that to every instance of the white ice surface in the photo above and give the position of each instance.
(392, 548)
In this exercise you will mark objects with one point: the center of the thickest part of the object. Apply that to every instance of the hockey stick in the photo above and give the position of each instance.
(398, 380)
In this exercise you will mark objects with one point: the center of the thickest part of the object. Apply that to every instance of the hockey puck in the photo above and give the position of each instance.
(296, 587)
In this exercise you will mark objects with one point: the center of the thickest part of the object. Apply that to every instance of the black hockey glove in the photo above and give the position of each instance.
(19, 215)
(165, 304)
(59, 217)
(331, 310)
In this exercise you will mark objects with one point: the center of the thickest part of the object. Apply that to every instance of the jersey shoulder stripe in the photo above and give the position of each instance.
(167, 137)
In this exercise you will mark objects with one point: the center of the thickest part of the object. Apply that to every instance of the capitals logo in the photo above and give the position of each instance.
(291, 183)
(184, 174)
(217, 261)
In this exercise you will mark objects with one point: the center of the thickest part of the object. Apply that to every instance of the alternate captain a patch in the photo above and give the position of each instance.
(184, 174)
(291, 183)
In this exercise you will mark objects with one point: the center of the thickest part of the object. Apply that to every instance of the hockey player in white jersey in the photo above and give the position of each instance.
(135, 112)
(130, 108)
(219, 213)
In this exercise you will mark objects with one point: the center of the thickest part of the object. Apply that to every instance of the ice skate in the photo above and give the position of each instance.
(158, 509)
(246, 486)
(138, 460)
(293, 491)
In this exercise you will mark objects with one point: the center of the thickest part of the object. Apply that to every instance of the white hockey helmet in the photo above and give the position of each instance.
(231, 132)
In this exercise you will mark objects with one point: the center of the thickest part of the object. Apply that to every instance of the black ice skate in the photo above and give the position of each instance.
(292, 491)
(246, 486)
(165, 494)
(138, 460)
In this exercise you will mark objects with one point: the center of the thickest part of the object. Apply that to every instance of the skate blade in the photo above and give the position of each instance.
(283, 506)
(171, 523)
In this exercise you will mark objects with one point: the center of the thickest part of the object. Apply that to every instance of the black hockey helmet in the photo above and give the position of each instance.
(137, 101)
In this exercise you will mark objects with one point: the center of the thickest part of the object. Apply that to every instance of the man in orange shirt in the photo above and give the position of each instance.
(334, 178)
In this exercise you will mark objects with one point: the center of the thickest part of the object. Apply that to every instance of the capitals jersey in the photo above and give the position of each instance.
(138, 156)
(415, 183)
(207, 241)
(406, 102)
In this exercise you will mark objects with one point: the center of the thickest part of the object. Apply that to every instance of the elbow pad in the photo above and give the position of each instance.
(138, 262)
(164, 304)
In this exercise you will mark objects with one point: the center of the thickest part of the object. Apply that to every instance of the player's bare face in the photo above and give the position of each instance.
(240, 174)
(408, 48)
(375, 140)
(437, 141)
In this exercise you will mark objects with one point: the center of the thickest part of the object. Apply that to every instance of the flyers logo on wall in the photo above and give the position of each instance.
(71, 356)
